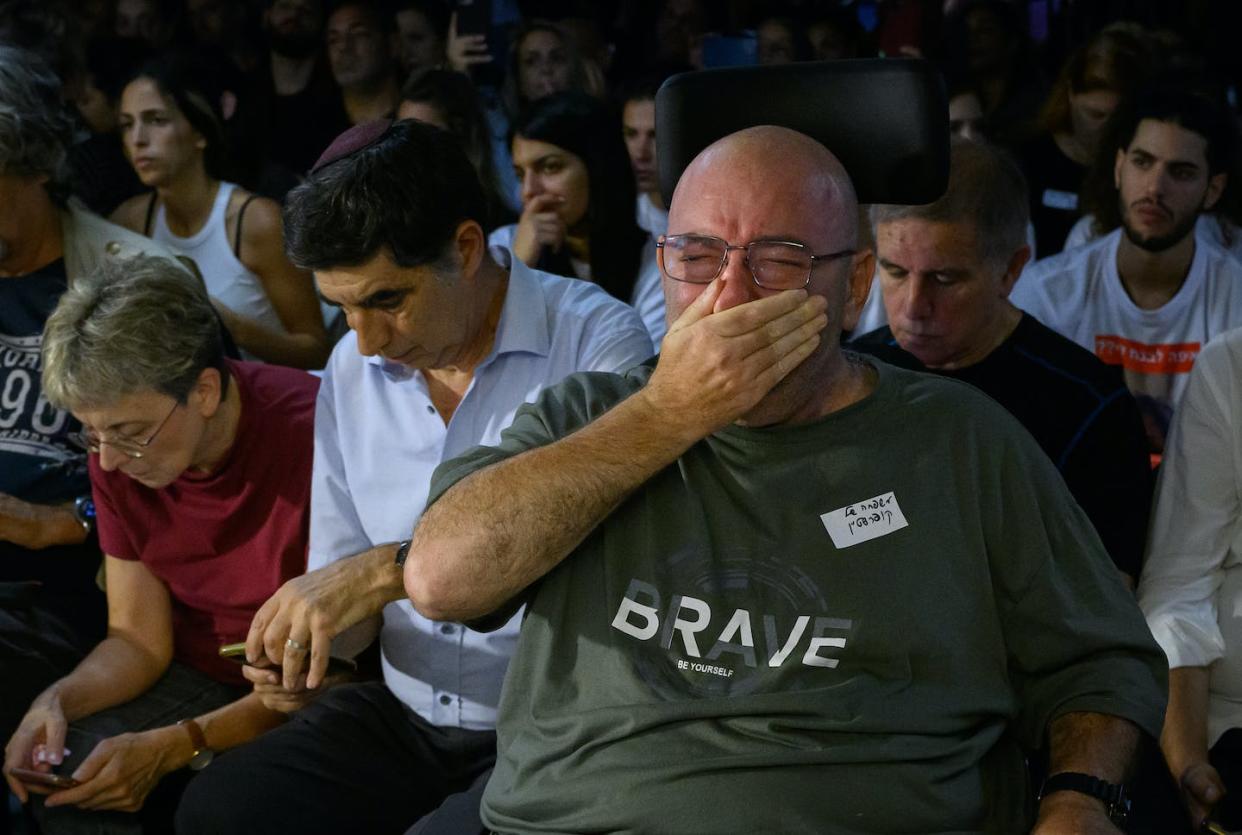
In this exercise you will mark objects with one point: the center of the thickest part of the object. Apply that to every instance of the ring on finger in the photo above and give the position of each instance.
(295, 645)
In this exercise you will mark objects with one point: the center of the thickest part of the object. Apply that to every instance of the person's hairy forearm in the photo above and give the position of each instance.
(1092, 743)
(501, 528)
(115, 671)
(498, 530)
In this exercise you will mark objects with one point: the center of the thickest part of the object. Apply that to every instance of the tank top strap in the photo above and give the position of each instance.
(220, 208)
(214, 225)
(146, 224)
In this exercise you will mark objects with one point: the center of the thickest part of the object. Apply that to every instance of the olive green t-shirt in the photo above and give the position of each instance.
(844, 626)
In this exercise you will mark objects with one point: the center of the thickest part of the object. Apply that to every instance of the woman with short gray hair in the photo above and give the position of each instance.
(200, 467)
(98, 343)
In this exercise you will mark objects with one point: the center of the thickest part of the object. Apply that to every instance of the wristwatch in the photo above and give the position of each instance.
(84, 512)
(1116, 801)
(403, 551)
(202, 754)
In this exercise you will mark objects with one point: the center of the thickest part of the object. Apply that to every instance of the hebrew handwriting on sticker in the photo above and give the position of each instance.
(864, 521)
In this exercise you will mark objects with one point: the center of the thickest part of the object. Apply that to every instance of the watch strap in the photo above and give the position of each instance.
(202, 754)
(1113, 795)
(403, 551)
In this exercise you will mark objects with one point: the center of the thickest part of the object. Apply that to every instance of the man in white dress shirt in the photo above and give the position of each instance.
(446, 343)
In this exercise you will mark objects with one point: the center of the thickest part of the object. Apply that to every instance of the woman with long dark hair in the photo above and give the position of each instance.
(172, 124)
(578, 198)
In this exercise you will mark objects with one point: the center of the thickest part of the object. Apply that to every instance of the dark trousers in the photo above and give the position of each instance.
(36, 648)
(180, 692)
(459, 813)
(354, 760)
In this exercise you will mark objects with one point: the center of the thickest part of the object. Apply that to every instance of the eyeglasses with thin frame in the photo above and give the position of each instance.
(774, 265)
(131, 448)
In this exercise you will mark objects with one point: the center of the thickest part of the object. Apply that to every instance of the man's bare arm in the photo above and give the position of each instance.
(500, 529)
(1097, 744)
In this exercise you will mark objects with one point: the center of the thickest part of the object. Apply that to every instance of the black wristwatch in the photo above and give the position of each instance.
(1116, 801)
(84, 512)
(403, 551)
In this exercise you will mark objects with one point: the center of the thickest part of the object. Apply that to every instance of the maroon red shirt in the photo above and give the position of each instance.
(223, 542)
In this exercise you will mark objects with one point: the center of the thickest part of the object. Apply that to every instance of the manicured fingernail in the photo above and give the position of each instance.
(40, 756)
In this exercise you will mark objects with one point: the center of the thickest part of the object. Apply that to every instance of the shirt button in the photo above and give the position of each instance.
(112, 248)
(447, 628)
(446, 699)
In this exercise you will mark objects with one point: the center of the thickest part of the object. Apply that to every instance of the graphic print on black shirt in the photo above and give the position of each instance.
(38, 463)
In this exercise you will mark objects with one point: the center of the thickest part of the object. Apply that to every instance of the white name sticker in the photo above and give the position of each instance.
(863, 521)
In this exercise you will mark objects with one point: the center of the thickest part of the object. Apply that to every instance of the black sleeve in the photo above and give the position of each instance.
(1108, 470)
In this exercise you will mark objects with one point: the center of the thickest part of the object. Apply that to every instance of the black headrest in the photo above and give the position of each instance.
(886, 119)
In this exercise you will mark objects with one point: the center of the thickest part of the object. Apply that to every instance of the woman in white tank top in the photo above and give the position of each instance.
(172, 127)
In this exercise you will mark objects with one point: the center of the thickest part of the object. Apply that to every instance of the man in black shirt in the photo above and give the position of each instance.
(945, 272)
(304, 104)
(51, 609)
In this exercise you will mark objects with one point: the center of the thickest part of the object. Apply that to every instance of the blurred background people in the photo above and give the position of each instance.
(172, 125)
(987, 42)
(578, 204)
(781, 40)
(638, 127)
(1071, 123)
(303, 107)
(966, 112)
(448, 100)
(363, 49)
(543, 61)
(423, 26)
(149, 21)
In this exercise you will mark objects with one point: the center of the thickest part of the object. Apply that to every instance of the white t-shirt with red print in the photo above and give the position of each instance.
(1079, 294)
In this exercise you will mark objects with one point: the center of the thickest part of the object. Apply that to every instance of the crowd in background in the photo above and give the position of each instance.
(279, 80)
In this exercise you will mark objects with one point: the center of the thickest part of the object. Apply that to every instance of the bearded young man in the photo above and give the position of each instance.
(1147, 296)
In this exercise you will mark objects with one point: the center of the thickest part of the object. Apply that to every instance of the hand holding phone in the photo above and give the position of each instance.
(38, 740)
(237, 654)
(466, 46)
(42, 779)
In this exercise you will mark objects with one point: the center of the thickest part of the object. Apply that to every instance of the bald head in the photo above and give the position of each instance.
(769, 184)
(773, 166)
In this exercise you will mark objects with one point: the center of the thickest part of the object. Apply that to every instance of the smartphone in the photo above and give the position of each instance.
(1213, 828)
(43, 778)
(474, 17)
(237, 653)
